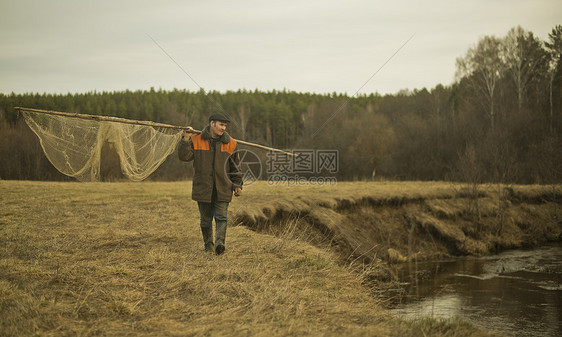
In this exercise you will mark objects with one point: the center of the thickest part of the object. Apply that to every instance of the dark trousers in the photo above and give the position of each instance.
(208, 211)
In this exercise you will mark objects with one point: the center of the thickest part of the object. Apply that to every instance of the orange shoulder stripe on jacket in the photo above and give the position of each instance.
(229, 147)
(199, 143)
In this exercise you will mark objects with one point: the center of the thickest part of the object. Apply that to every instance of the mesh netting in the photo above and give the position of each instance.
(74, 145)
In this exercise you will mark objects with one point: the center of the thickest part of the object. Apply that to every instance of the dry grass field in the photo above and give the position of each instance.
(126, 259)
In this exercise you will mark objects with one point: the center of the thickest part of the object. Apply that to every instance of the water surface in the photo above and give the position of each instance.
(516, 292)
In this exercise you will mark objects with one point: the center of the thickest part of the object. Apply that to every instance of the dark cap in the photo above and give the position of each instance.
(219, 117)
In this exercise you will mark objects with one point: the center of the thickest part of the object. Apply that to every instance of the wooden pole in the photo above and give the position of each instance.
(135, 122)
(104, 118)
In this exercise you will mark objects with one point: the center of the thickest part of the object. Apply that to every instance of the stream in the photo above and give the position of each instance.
(516, 292)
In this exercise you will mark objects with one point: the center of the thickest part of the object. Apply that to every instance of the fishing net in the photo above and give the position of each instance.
(74, 145)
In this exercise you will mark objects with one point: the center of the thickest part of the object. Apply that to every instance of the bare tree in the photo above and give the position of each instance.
(483, 66)
(523, 54)
(554, 48)
(470, 172)
(242, 119)
(502, 162)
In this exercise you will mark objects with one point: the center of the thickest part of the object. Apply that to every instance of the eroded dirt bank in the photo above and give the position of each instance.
(400, 220)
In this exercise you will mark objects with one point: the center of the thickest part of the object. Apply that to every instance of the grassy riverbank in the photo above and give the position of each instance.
(394, 221)
(126, 258)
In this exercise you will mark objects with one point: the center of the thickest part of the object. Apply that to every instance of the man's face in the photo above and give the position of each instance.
(217, 128)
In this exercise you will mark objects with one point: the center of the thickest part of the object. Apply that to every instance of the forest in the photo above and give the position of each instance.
(499, 121)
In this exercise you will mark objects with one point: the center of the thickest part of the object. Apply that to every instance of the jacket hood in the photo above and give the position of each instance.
(206, 134)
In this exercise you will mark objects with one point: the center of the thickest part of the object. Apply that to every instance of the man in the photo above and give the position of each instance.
(217, 174)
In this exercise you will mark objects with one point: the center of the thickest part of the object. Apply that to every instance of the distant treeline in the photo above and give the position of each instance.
(500, 121)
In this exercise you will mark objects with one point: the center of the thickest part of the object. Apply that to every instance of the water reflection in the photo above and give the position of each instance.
(517, 292)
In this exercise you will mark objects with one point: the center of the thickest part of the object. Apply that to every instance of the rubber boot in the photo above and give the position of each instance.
(220, 236)
(220, 220)
(208, 238)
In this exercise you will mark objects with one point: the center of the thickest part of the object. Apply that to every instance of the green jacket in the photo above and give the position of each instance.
(219, 167)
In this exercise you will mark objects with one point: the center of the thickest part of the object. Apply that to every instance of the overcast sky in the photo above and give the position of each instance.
(62, 46)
